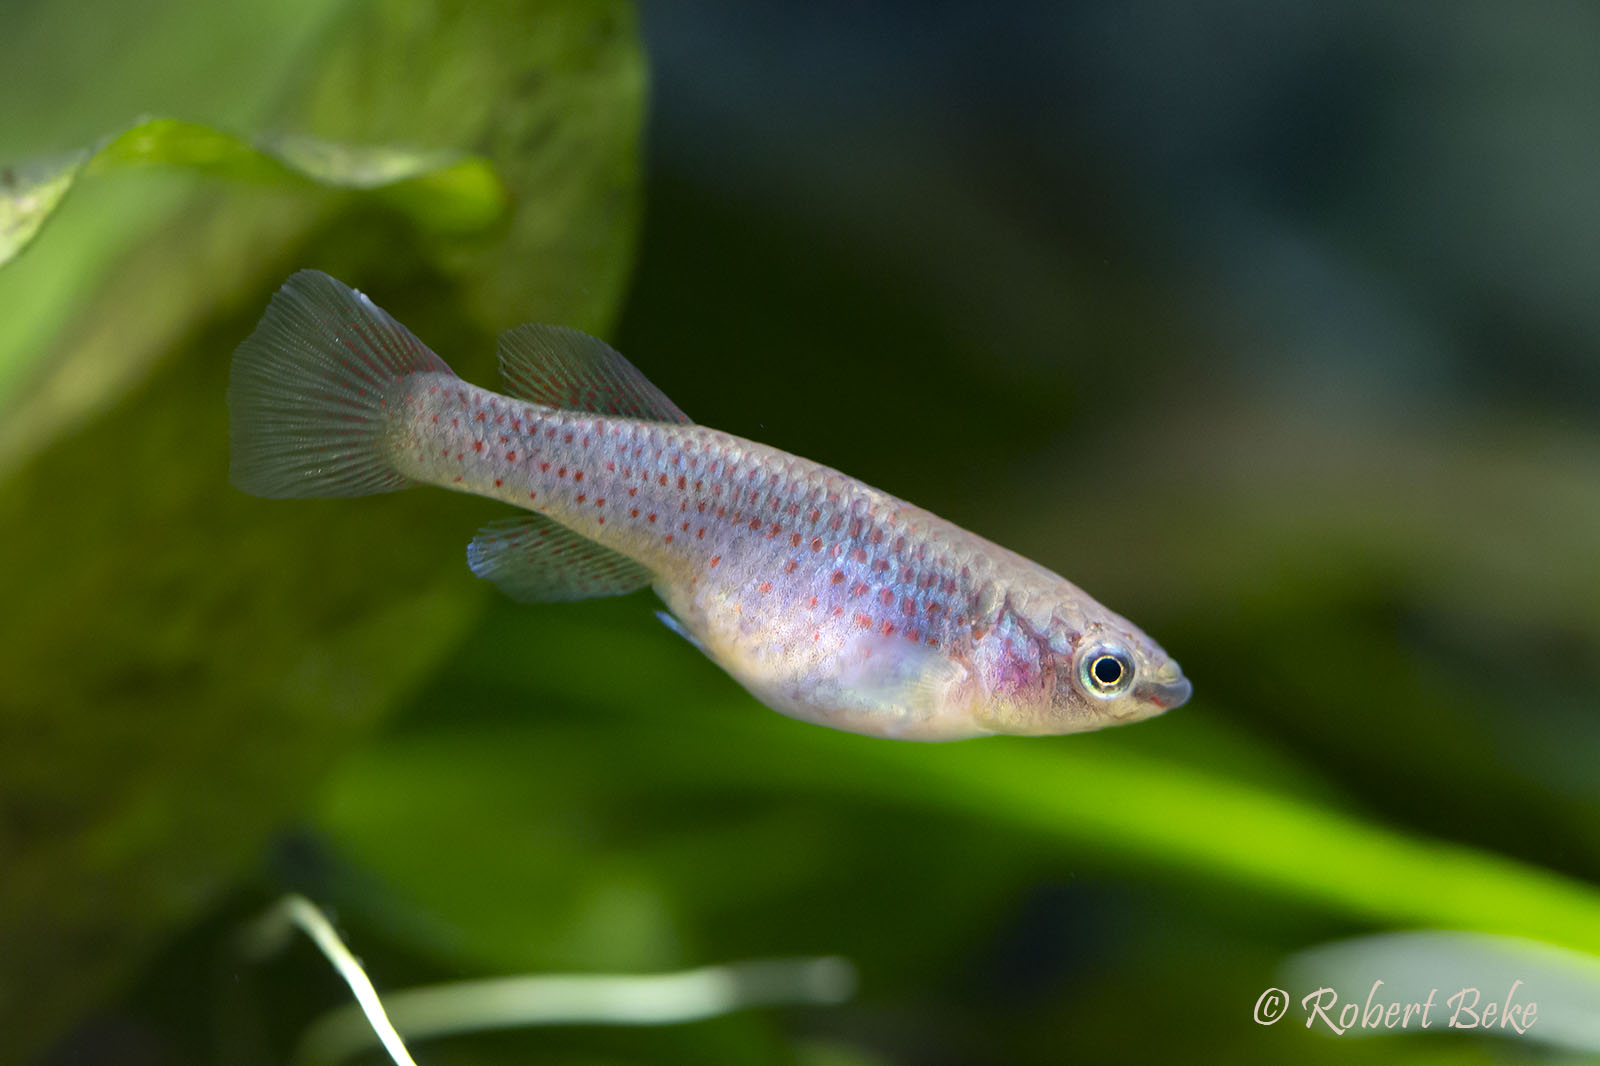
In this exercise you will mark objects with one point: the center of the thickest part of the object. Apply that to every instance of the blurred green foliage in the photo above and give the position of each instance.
(1390, 615)
(179, 678)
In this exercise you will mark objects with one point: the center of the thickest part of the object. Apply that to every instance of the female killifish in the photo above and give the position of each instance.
(829, 600)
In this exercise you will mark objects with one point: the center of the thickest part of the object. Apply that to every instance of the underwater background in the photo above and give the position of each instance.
(1276, 328)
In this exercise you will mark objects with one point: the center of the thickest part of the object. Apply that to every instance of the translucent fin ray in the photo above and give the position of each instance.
(308, 389)
(563, 368)
(535, 559)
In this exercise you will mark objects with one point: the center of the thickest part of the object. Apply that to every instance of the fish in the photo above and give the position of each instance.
(828, 600)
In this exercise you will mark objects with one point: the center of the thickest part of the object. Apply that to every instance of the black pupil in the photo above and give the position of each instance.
(1106, 670)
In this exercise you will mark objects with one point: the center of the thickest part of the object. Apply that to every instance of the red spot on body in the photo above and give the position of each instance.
(816, 544)
(755, 523)
(887, 629)
(497, 482)
(812, 602)
(667, 538)
(774, 531)
(887, 596)
(582, 496)
(544, 468)
(601, 502)
(715, 559)
(813, 516)
(634, 513)
(877, 536)
(765, 587)
(838, 520)
(794, 540)
(881, 565)
(511, 457)
(661, 479)
(479, 417)
(859, 555)
(864, 621)
(790, 567)
(837, 578)
(611, 467)
(533, 495)
(837, 611)
(633, 490)
(682, 483)
(504, 439)
(577, 475)
(435, 419)
(651, 516)
(477, 445)
(859, 588)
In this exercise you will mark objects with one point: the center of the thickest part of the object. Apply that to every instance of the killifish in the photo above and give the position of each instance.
(828, 600)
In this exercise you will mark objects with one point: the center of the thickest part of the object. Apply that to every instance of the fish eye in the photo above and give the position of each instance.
(1106, 671)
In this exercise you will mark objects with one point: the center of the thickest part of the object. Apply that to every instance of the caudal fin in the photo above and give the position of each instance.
(308, 390)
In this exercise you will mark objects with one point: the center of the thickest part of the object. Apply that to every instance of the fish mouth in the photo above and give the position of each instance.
(1167, 689)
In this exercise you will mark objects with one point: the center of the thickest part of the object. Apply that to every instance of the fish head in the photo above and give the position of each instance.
(1115, 675)
(1086, 669)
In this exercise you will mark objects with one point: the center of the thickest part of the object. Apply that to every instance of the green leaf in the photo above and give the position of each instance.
(184, 662)
(440, 189)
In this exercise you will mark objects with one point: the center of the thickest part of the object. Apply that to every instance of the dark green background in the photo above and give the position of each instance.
(1274, 328)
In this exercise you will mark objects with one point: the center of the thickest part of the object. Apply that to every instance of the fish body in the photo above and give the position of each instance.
(829, 600)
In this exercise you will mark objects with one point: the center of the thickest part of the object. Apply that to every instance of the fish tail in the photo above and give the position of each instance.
(310, 393)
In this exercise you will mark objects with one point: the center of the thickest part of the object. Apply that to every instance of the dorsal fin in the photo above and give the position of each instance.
(537, 560)
(560, 367)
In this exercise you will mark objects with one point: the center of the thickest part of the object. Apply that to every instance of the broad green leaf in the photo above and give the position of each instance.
(183, 661)
(439, 190)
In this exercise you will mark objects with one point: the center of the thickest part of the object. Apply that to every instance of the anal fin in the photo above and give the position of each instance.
(535, 559)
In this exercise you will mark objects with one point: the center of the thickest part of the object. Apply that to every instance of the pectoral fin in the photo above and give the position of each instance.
(671, 622)
(907, 685)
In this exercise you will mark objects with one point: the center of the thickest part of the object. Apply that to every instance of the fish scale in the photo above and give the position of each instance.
(829, 600)
(676, 498)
